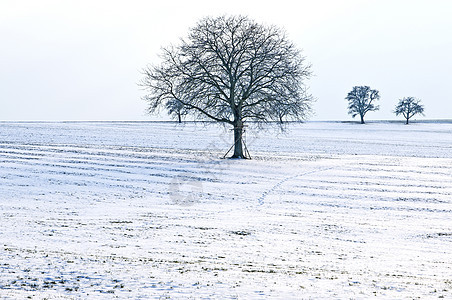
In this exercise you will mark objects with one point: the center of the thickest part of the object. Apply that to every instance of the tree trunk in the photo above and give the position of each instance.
(179, 117)
(238, 145)
(407, 121)
(362, 119)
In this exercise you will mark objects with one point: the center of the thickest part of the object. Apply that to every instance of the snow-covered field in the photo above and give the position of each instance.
(150, 210)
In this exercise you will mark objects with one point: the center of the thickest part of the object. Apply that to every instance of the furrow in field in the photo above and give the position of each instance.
(95, 152)
(124, 164)
(353, 186)
(396, 187)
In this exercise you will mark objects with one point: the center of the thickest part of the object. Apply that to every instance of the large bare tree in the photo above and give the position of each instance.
(231, 69)
(361, 99)
(408, 107)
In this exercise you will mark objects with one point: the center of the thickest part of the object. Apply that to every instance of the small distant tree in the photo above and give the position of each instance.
(286, 113)
(176, 109)
(408, 107)
(361, 100)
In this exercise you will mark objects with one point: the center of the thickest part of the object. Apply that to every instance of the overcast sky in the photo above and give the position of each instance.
(81, 60)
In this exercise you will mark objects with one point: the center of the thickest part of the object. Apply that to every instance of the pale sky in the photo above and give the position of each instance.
(81, 60)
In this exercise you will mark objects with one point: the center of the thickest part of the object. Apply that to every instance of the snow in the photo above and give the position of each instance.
(150, 210)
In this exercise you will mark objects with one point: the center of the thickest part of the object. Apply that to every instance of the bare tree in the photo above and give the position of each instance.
(408, 107)
(232, 70)
(176, 108)
(362, 100)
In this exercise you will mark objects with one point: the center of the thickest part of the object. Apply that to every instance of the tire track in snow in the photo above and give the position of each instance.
(277, 185)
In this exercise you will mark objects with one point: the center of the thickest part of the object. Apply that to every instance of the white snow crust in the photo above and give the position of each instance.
(102, 210)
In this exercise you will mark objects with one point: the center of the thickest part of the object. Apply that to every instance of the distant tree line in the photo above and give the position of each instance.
(362, 99)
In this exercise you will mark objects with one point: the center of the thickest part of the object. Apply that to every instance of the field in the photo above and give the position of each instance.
(140, 210)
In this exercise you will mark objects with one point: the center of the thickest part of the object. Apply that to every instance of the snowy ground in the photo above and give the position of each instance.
(149, 210)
